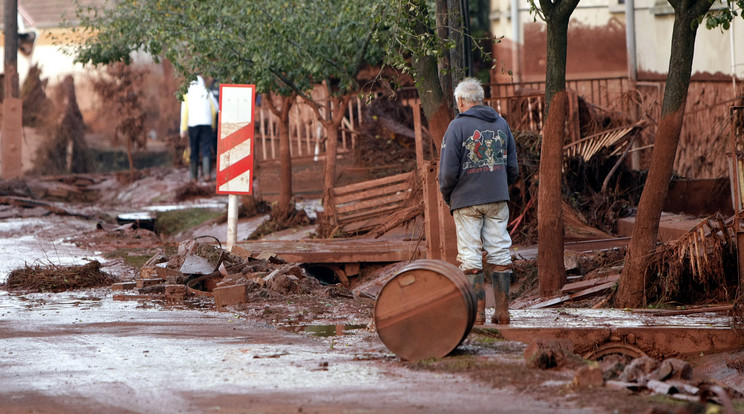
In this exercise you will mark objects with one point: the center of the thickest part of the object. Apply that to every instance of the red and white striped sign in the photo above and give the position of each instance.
(235, 139)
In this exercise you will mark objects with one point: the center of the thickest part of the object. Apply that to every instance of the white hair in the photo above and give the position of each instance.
(470, 90)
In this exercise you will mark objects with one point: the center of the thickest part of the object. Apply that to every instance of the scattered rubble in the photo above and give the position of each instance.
(673, 378)
(670, 377)
(204, 270)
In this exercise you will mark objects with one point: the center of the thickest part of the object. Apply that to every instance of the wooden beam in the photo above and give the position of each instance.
(431, 211)
(337, 251)
(585, 284)
(376, 192)
(352, 188)
(573, 296)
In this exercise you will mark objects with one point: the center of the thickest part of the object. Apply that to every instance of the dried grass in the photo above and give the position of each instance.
(57, 278)
(698, 267)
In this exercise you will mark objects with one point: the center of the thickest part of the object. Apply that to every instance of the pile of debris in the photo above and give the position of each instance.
(671, 377)
(205, 270)
(56, 278)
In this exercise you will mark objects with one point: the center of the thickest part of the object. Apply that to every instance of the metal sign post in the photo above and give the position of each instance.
(235, 150)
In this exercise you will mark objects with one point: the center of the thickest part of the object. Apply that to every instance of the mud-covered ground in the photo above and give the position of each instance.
(87, 351)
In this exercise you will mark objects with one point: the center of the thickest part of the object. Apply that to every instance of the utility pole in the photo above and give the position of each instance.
(12, 128)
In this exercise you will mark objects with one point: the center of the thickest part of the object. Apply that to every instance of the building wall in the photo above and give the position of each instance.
(591, 54)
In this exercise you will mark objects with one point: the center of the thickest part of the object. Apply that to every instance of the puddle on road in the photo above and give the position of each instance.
(50, 301)
(324, 331)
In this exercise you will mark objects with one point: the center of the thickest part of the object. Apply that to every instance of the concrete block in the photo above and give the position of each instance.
(197, 265)
(229, 295)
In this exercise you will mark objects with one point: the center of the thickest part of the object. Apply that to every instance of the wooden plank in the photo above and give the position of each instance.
(338, 191)
(370, 188)
(418, 136)
(584, 284)
(338, 251)
(391, 189)
(366, 214)
(691, 311)
(431, 213)
(576, 295)
(358, 226)
(380, 201)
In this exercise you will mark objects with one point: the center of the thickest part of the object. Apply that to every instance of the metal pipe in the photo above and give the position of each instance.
(733, 56)
(232, 220)
(517, 41)
(630, 41)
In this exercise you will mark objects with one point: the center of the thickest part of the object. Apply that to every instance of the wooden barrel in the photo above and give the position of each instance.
(425, 310)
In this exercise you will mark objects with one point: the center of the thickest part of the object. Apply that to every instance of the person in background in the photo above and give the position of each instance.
(478, 163)
(198, 122)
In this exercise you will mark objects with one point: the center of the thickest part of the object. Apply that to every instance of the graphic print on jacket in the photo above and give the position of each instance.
(486, 151)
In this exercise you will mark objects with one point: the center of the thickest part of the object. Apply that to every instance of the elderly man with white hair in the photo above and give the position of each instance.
(478, 163)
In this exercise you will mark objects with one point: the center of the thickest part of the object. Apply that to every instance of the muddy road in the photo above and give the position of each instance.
(85, 351)
(82, 352)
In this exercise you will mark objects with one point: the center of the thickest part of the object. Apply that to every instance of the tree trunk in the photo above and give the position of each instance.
(551, 270)
(437, 109)
(631, 290)
(329, 174)
(434, 91)
(281, 109)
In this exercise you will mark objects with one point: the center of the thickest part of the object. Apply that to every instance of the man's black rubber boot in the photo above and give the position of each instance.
(501, 282)
(477, 283)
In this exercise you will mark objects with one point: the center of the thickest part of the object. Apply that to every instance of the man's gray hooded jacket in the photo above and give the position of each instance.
(478, 160)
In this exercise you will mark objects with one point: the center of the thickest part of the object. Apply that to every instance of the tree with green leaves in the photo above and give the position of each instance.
(428, 40)
(283, 47)
(688, 15)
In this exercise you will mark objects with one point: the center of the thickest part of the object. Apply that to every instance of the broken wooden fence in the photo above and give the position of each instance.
(363, 206)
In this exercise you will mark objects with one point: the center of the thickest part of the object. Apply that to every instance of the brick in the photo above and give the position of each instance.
(172, 276)
(229, 295)
(147, 272)
(143, 283)
(123, 286)
(175, 293)
(125, 297)
(240, 252)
